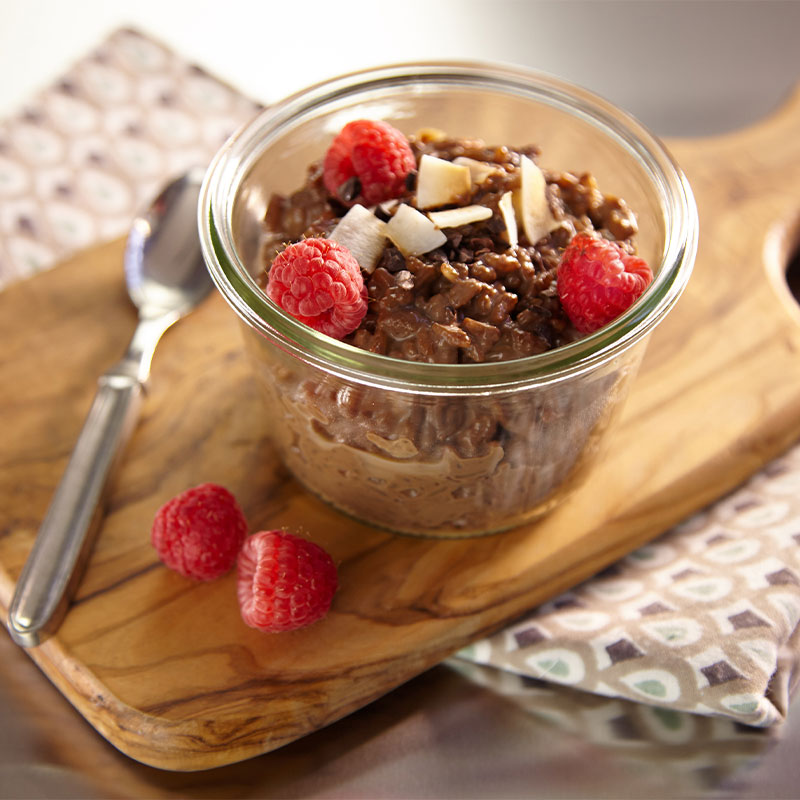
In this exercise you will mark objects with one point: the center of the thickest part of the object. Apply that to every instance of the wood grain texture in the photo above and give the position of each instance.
(166, 670)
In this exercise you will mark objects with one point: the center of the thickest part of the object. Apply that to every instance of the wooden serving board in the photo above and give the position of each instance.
(166, 670)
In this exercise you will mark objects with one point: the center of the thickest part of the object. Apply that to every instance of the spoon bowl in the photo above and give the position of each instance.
(166, 278)
(164, 268)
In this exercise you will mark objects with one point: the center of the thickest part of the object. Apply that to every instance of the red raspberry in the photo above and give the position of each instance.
(374, 153)
(319, 282)
(598, 280)
(285, 582)
(199, 532)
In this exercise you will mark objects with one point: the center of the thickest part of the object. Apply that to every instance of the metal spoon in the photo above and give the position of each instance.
(166, 278)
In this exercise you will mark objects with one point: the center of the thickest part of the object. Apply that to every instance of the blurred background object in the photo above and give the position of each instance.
(684, 68)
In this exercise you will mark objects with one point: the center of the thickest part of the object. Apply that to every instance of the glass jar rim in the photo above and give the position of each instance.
(234, 160)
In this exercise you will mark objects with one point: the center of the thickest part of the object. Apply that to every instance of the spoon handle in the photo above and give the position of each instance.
(64, 539)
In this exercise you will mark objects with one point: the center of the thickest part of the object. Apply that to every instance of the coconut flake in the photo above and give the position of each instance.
(464, 215)
(440, 182)
(506, 206)
(479, 170)
(363, 234)
(413, 232)
(531, 202)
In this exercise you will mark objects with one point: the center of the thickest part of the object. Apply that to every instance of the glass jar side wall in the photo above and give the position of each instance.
(432, 464)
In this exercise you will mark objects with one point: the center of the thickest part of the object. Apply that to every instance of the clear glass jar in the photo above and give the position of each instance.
(443, 450)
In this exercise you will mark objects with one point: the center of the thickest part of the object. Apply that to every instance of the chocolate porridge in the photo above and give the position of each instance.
(455, 462)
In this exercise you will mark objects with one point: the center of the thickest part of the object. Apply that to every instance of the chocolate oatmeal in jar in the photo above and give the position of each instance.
(470, 278)
(444, 325)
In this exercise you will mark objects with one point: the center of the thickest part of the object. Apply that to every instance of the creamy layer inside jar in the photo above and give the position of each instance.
(449, 465)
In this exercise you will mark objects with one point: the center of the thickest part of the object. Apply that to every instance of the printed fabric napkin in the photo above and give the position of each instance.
(703, 620)
(87, 153)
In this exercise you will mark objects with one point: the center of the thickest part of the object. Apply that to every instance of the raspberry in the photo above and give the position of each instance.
(319, 282)
(367, 161)
(598, 280)
(284, 582)
(199, 532)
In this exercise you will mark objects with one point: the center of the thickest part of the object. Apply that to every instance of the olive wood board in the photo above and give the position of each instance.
(165, 669)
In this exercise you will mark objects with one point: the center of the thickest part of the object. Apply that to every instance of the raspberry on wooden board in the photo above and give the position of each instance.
(199, 532)
(284, 582)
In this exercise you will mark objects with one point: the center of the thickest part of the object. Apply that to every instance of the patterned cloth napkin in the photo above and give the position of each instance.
(704, 620)
(84, 155)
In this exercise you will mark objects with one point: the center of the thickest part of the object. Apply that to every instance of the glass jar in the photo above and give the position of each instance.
(443, 450)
